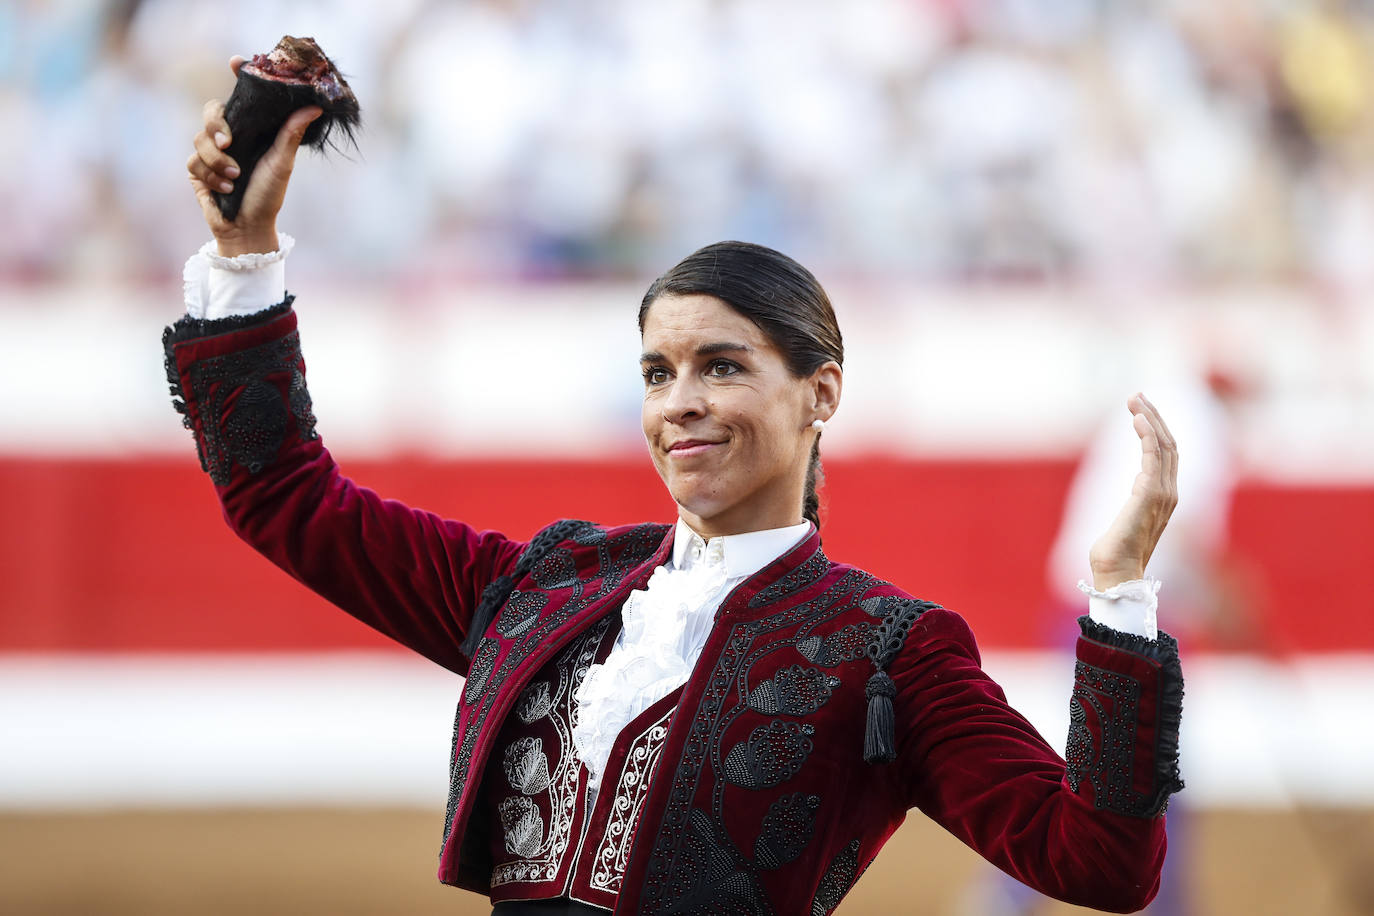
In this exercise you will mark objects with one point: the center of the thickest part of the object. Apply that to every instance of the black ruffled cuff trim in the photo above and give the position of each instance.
(1162, 650)
(187, 328)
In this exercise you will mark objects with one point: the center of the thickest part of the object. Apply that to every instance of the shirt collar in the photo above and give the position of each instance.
(743, 554)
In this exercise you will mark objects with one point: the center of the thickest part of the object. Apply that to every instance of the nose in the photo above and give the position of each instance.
(685, 400)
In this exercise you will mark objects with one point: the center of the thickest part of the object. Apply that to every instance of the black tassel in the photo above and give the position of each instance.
(493, 598)
(880, 744)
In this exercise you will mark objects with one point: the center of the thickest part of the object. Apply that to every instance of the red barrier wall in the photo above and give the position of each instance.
(132, 555)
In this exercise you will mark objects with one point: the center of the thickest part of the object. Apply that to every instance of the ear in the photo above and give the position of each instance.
(826, 383)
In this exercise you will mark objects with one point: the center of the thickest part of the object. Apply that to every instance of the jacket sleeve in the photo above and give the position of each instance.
(1089, 831)
(240, 385)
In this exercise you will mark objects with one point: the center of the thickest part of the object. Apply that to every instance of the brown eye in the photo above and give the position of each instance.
(722, 368)
(655, 375)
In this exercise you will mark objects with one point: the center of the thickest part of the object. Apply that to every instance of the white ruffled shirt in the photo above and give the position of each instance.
(666, 624)
(664, 627)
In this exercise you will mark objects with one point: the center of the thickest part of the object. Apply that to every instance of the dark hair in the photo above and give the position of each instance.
(780, 296)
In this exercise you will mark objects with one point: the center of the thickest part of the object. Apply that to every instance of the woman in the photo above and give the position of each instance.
(710, 716)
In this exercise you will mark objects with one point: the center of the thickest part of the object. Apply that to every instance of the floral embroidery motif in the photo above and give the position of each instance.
(482, 664)
(794, 691)
(520, 612)
(527, 769)
(534, 703)
(641, 759)
(712, 878)
(773, 754)
(556, 570)
(786, 830)
(839, 647)
(838, 879)
(523, 826)
(527, 766)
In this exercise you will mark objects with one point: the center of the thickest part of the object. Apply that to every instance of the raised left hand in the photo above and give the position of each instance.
(1121, 553)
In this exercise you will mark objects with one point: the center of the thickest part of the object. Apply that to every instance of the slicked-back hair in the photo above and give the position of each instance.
(783, 298)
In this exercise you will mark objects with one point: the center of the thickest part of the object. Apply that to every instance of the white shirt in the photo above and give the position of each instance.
(665, 626)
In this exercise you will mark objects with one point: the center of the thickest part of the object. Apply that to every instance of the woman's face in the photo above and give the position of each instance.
(727, 423)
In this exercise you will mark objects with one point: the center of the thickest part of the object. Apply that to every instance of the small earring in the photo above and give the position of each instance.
(818, 425)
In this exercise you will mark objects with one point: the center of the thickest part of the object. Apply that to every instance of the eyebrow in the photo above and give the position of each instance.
(710, 349)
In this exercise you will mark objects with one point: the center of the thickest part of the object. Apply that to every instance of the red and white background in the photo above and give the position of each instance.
(467, 289)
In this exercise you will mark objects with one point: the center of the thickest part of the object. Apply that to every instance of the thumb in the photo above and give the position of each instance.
(289, 137)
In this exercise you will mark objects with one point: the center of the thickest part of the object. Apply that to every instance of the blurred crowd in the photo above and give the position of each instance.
(1118, 141)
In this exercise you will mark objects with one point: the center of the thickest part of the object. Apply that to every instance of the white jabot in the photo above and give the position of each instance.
(217, 287)
(665, 626)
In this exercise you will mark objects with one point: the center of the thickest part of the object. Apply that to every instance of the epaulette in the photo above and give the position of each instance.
(494, 596)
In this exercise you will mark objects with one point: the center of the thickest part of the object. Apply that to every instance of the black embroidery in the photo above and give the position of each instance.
(794, 691)
(839, 647)
(520, 612)
(1103, 717)
(798, 579)
(244, 415)
(463, 740)
(556, 570)
(617, 556)
(838, 879)
(773, 754)
(712, 878)
(786, 830)
(724, 698)
(256, 426)
(480, 669)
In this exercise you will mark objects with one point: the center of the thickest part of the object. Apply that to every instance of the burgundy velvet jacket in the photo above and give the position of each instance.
(762, 796)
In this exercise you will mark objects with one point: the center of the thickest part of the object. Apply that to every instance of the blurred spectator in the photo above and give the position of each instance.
(1133, 143)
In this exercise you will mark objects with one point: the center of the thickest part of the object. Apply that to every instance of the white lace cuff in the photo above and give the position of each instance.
(218, 287)
(1130, 607)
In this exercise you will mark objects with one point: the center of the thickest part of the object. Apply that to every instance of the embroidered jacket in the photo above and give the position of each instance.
(750, 789)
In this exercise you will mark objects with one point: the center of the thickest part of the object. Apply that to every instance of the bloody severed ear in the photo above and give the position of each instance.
(271, 86)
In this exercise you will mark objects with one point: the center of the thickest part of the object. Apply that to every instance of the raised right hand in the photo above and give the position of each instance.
(255, 227)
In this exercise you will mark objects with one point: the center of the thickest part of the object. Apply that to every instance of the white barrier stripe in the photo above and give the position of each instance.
(83, 731)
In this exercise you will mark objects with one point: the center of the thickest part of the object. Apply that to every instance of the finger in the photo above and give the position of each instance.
(1157, 420)
(1168, 446)
(1151, 458)
(235, 62)
(208, 205)
(1166, 438)
(216, 127)
(215, 162)
(199, 171)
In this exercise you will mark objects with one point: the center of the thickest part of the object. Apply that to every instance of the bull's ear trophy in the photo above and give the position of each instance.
(293, 75)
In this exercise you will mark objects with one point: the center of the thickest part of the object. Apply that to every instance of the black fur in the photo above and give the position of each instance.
(257, 109)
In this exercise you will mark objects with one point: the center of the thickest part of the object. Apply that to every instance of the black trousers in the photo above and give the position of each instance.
(559, 907)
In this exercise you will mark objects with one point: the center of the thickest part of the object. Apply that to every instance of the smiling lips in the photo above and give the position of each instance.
(686, 448)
